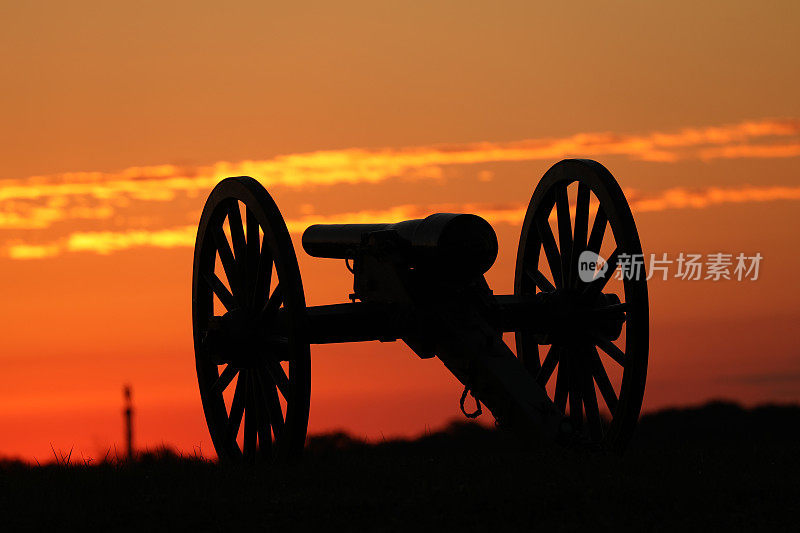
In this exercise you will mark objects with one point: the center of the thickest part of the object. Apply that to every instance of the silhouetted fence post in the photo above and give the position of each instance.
(128, 413)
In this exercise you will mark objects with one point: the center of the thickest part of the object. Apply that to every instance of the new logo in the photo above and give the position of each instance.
(591, 266)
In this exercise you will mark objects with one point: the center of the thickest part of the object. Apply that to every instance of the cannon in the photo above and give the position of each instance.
(579, 368)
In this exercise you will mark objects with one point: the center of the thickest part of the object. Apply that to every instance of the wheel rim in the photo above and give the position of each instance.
(596, 364)
(249, 321)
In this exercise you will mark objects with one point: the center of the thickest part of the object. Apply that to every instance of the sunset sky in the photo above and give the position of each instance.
(118, 118)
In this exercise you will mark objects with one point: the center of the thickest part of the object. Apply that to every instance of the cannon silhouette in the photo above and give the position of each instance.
(422, 282)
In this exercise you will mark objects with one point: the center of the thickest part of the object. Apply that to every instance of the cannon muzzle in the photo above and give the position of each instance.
(444, 241)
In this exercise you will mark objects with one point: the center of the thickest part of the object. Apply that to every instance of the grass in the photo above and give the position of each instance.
(709, 468)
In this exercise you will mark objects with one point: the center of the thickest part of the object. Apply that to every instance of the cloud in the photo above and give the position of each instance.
(680, 198)
(106, 242)
(39, 201)
(81, 199)
(751, 151)
(33, 251)
(30, 216)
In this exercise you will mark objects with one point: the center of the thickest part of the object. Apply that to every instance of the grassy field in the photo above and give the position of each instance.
(709, 468)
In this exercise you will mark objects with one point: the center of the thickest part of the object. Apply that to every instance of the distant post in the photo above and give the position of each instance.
(128, 413)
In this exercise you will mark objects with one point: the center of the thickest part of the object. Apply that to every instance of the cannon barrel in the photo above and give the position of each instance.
(444, 241)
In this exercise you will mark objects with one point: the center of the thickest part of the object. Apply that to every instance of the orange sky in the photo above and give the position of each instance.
(118, 121)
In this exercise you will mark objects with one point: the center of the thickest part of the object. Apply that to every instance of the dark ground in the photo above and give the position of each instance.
(713, 468)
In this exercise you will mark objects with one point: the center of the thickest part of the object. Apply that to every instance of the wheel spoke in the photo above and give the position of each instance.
(273, 304)
(590, 404)
(562, 382)
(237, 407)
(226, 257)
(278, 376)
(575, 407)
(596, 286)
(540, 280)
(262, 418)
(603, 383)
(611, 349)
(237, 232)
(548, 365)
(263, 275)
(273, 405)
(220, 290)
(564, 234)
(224, 379)
(250, 420)
(550, 249)
(253, 247)
(581, 228)
(598, 230)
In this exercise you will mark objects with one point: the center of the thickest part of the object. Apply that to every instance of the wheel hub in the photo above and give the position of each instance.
(235, 338)
(576, 320)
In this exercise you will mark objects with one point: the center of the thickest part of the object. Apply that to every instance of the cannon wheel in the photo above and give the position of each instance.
(605, 329)
(242, 283)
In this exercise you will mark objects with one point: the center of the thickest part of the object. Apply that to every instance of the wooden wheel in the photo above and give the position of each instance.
(600, 334)
(249, 317)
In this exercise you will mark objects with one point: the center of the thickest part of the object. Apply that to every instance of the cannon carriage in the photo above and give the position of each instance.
(422, 282)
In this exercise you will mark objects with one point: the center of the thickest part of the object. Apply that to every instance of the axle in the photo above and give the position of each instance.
(357, 322)
(543, 315)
